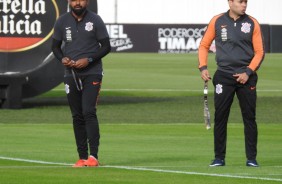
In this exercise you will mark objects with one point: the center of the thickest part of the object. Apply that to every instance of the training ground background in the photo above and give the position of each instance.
(152, 131)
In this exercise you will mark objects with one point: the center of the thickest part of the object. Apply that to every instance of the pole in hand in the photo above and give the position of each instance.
(206, 108)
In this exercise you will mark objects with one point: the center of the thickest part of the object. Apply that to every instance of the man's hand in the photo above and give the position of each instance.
(205, 75)
(81, 63)
(67, 62)
(241, 77)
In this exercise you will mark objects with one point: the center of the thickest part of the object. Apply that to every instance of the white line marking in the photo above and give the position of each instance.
(32, 161)
(147, 169)
(33, 166)
(194, 173)
(170, 90)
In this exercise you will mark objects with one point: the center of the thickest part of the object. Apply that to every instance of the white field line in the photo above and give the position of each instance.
(194, 173)
(144, 169)
(33, 161)
(171, 90)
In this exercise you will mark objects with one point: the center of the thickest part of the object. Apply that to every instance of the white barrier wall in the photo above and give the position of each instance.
(182, 11)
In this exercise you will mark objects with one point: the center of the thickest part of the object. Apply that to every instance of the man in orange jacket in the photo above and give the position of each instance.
(239, 54)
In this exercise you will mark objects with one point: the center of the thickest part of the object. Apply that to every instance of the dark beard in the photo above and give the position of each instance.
(78, 12)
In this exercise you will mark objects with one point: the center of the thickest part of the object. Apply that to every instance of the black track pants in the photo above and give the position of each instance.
(225, 88)
(83, 108)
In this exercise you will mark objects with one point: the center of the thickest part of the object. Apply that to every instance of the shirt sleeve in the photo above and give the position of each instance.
(57, 34)
(101, 30)
(258, 46)
(205, 44)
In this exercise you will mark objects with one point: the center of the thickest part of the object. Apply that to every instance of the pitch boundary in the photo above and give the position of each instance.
(145, 169)
(168, 90)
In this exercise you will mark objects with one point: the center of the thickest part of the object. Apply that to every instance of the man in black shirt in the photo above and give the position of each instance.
(86, 41)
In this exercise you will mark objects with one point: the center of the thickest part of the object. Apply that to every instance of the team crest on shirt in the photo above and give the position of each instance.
(89, 26)
(218, 89)
(68, 34)
(246, 27)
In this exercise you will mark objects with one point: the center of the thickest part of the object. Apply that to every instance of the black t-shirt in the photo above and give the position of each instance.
(81, 39)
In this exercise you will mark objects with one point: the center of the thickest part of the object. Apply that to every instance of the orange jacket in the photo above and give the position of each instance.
(239, 44)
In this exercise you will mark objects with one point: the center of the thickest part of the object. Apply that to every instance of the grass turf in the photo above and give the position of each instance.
(151, 116)
(184, 149)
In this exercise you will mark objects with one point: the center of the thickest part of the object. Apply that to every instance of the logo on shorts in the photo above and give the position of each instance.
(95, 83)
(89, 26)
(246, 27)
(67, 88)
(218, 89)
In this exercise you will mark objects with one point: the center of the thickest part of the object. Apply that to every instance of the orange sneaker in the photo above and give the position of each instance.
(80, 163)
(91, 162)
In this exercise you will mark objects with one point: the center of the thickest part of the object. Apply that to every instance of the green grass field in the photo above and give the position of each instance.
(152, 130)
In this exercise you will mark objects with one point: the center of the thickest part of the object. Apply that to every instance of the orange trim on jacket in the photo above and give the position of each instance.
(239, 44)
(206, 43)
(258, 47)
